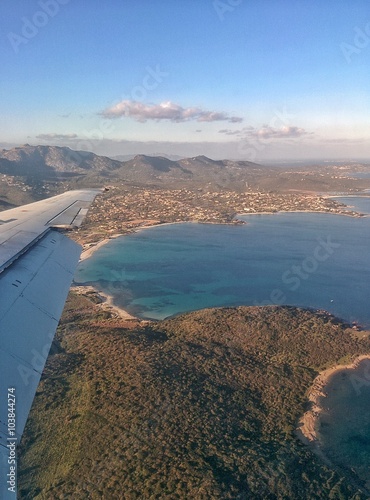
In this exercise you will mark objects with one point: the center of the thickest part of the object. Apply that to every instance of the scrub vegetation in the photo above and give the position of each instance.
(200, 406)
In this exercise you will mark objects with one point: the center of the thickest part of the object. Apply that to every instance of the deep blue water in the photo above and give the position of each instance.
(361, 175)
(311, 260)
(361, 204)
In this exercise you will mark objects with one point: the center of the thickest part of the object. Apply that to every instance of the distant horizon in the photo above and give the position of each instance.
(267, 161)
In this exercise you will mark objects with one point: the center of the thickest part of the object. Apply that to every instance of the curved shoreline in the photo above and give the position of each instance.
(107, 302)
(93, 247)
(308, 430)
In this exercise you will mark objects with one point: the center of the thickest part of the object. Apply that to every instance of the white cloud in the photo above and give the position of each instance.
(165, 111)
(56, 137)
(230, 132)
(267, 132)
(343, 140)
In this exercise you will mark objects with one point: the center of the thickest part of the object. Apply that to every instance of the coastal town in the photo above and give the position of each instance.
(122, 209)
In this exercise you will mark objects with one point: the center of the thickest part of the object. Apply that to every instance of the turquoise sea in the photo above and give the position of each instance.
(305, 259)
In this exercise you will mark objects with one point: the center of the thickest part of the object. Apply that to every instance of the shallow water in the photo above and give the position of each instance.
(304, 259)
(345, 424)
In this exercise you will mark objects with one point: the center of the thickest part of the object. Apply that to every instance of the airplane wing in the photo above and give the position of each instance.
(37, 264)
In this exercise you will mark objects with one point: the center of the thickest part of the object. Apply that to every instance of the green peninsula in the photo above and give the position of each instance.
(200, 406)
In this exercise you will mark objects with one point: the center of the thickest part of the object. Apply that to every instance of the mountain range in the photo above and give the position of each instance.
(36, 165)
(62, 163)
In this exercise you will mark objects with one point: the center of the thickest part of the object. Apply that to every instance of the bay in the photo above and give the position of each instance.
(305, 259)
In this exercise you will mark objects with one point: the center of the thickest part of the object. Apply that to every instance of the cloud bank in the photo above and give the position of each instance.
(165, 111)
(267, 133)
(281, 133)
(56, 137)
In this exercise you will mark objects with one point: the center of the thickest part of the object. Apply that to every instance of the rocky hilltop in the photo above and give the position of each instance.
(49, 161)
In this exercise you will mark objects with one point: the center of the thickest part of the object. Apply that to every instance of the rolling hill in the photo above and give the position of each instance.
(81, 168)
(52, 162)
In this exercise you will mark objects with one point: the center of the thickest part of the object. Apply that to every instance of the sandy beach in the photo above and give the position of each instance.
(106, 303)
(91, 248)
(309, 424)
(106, 300)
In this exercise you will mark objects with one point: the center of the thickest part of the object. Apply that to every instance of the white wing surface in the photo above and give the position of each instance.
(37, 264)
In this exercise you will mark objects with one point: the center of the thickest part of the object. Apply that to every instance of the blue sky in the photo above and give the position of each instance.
(260, 80)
